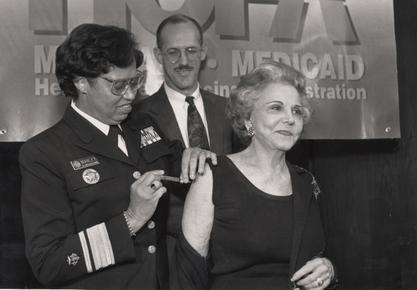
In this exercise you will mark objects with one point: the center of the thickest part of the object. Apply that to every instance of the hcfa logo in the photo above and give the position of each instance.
(287, 25)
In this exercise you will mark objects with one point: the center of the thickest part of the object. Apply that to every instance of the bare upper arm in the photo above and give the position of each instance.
(197, 220)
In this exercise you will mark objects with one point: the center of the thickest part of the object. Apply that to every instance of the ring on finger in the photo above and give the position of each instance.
(319, 281)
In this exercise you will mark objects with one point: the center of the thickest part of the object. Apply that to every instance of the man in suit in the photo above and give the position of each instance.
(181, 50)
(93, 201)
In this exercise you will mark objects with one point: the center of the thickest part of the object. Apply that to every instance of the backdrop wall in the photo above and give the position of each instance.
(338, 45)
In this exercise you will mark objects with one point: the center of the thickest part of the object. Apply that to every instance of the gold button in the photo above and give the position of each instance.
(151, 249)
(151, 225)
(136, 174)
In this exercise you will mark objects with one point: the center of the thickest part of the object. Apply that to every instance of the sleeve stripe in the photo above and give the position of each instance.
(109, 249)
(85, 252)
(101, 248)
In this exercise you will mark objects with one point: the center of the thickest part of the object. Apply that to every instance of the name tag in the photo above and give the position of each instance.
(84, 162)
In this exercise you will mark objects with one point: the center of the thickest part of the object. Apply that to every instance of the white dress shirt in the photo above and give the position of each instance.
(180, 107)
(101, 126)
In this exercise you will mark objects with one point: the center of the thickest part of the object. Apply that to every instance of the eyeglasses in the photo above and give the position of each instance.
(120, 87)
(174, 54)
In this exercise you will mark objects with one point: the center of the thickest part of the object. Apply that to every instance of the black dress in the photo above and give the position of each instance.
(250, 243)
(258, 240)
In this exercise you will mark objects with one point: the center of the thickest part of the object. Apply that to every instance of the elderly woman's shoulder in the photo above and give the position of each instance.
(307, 174)
(301, 170)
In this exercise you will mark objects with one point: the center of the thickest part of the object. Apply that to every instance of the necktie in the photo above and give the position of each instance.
(113, 136)
(196, 131)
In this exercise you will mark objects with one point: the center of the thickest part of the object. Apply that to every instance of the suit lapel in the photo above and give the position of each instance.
(302, 191)
(90, 138)
(215, 127)
(165, 117)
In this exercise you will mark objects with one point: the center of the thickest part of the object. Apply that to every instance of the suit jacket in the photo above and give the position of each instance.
(191, 271)
(219, 128)
(75, 188)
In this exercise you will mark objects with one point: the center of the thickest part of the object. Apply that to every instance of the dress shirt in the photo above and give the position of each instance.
(180, 108)
(101, 126)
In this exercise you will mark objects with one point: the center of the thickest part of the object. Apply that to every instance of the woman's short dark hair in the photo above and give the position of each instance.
(90, 50)
(242, 99)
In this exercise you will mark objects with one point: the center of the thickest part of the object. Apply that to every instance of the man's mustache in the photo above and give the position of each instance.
(184, 67)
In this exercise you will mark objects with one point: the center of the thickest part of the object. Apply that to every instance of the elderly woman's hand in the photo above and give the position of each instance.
(315, 274)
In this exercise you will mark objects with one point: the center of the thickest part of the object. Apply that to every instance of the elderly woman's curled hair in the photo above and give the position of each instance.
(250, 86)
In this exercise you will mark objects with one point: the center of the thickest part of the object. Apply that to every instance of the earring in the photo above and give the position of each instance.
(79, 83)
(249, 128)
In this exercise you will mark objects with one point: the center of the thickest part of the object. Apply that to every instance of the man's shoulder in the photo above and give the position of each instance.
(140, 119)
(212, 97)
(149, 101)
(210, 94)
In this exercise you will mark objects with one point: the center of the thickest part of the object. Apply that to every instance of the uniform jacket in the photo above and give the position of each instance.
(74, 191)
(221, 137)
(219, 128)
(191, 271)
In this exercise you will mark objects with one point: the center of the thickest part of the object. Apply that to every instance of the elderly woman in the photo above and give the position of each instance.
(254, 221)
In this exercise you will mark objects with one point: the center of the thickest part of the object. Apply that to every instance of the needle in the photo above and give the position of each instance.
(170, 178)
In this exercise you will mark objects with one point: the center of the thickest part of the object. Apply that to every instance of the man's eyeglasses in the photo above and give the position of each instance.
(120, 87)
(174, 54)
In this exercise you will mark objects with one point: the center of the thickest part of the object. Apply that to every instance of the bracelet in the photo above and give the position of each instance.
(129, 226)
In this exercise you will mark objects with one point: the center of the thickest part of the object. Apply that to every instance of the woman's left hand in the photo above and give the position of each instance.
(315, 274)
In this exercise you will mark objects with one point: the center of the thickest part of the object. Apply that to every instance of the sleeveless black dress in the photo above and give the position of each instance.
(250, 244)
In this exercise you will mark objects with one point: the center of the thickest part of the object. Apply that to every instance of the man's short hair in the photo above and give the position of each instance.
(176, 19)
(90, 50)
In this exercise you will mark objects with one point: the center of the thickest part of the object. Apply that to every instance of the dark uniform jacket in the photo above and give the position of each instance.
(222, 139)
(75, 188)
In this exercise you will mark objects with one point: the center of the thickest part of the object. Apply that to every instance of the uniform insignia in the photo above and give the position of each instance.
(84, 162)
(148, 136)
(72, 259)
(91, 176)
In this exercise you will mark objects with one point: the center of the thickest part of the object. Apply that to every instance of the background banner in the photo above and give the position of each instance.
(346, 49)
